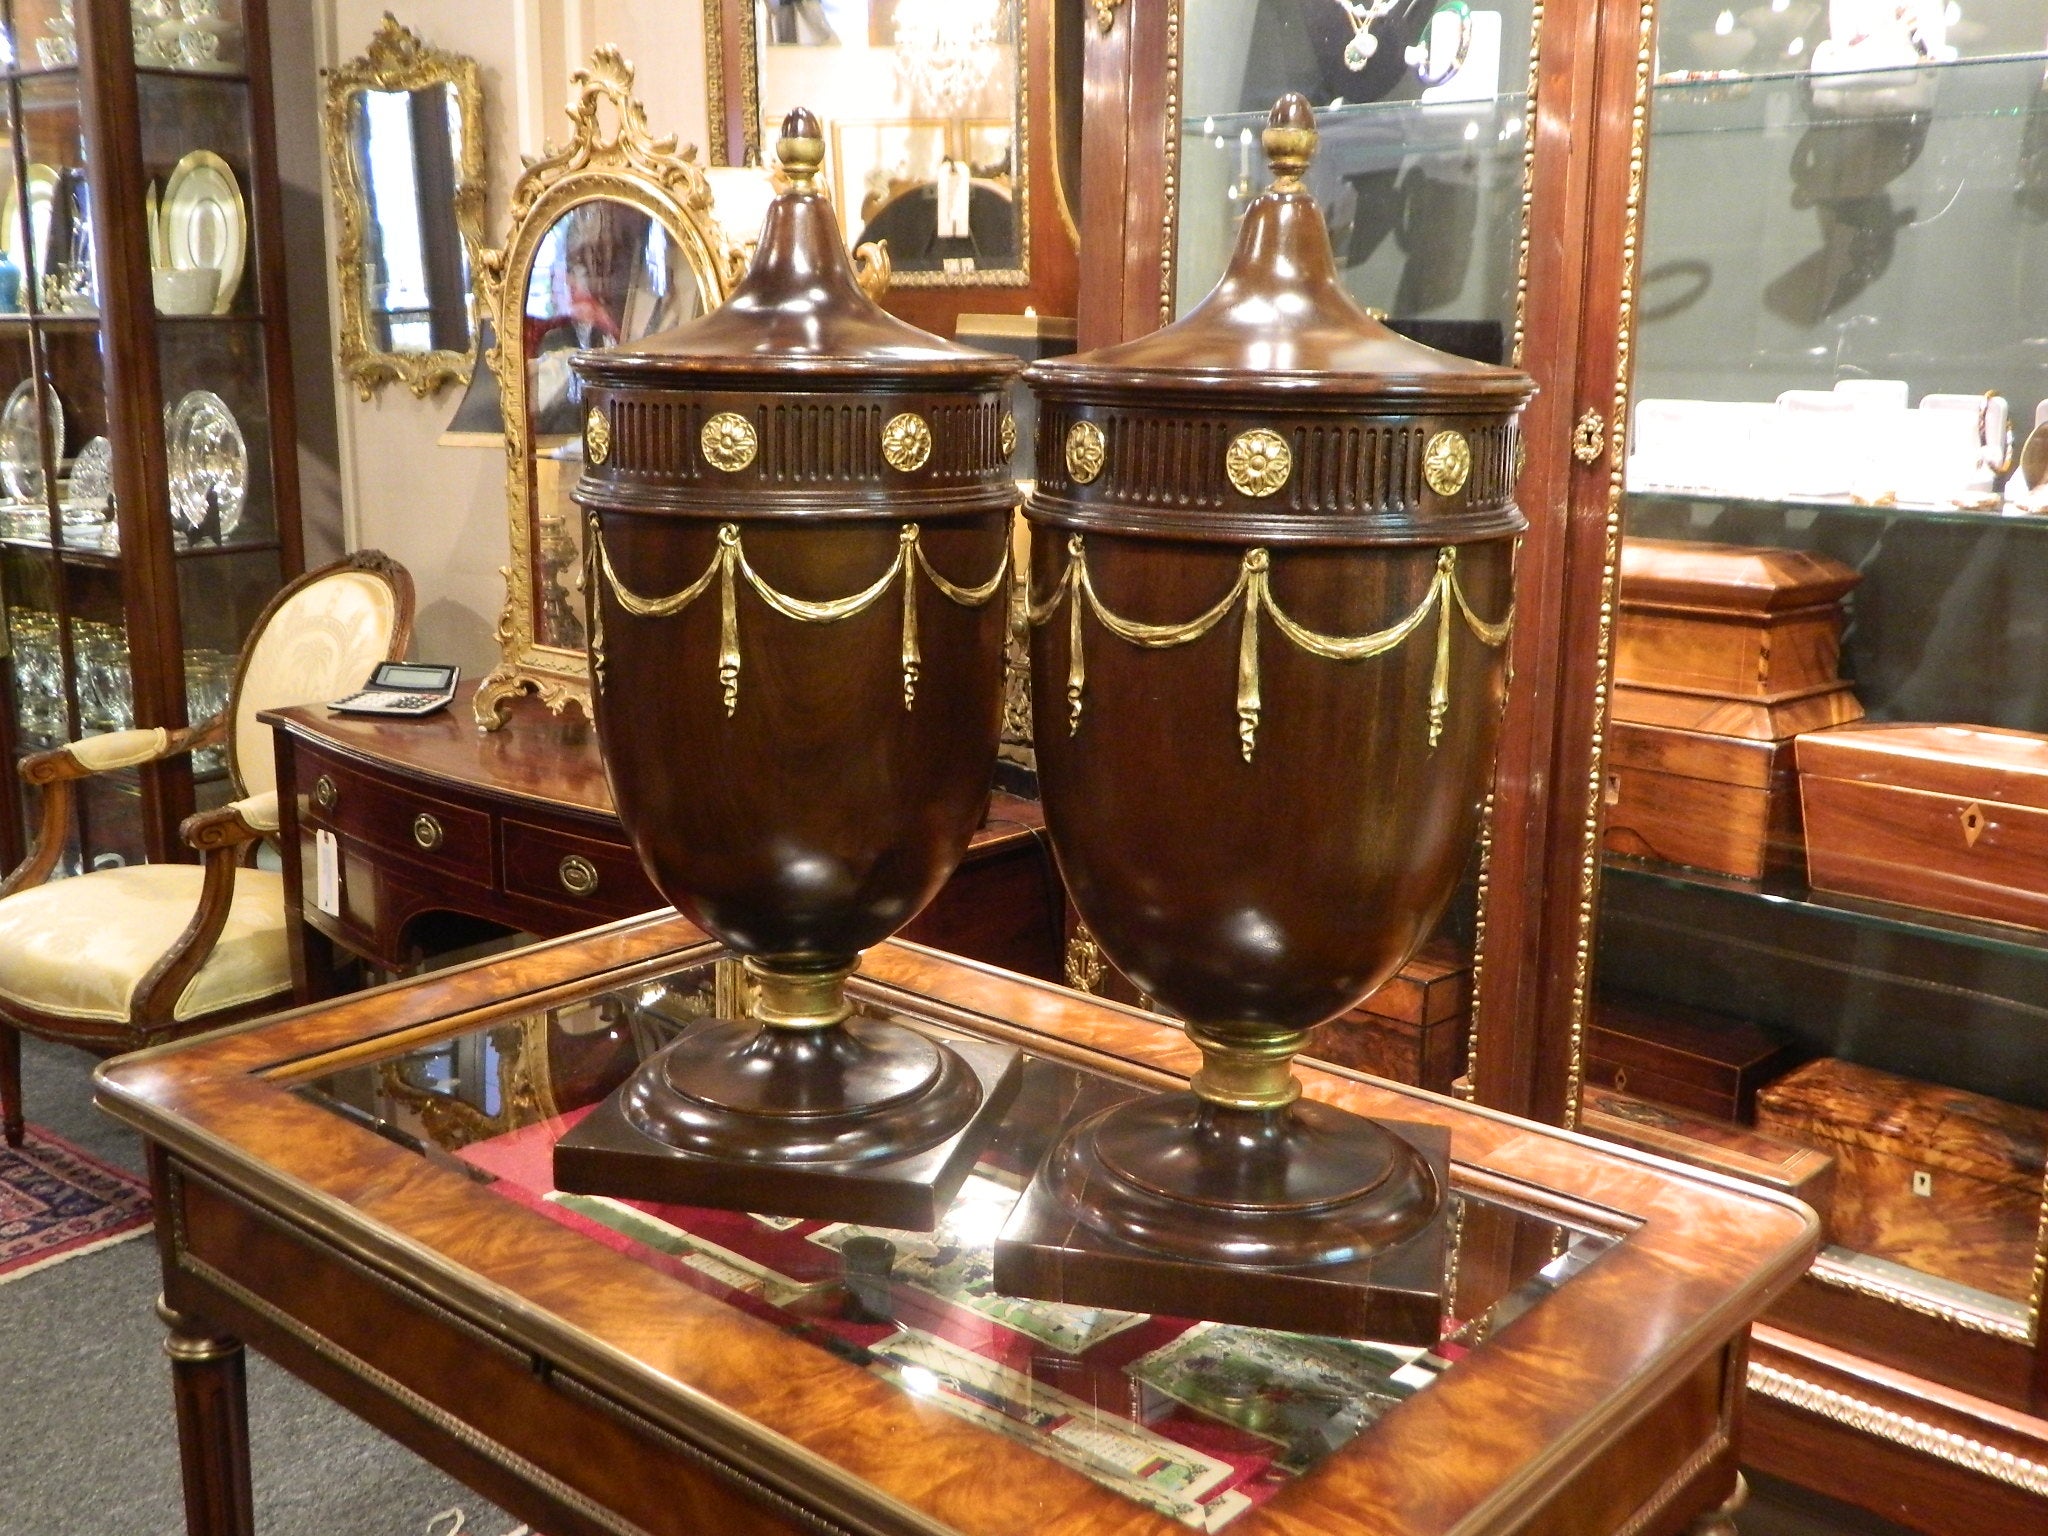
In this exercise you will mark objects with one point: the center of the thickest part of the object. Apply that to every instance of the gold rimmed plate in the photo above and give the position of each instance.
(204, 223)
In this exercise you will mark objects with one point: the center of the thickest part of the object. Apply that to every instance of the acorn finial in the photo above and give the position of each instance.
(1289, 140)
(801, 150)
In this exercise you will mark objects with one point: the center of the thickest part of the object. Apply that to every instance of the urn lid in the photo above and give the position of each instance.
(1278, 408)
(799, 310)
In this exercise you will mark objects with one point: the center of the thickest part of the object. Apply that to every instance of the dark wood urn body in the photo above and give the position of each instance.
(1271, 587)
(797, 541)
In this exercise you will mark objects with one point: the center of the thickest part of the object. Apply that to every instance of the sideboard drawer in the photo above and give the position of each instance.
(593, 875)
(433, 832)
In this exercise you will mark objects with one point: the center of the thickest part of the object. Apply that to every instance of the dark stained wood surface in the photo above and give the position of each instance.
(535, 793)
(382, 1275)
(1683, 1056)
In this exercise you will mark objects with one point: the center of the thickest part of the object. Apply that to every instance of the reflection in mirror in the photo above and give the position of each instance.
(604, 274)
(405, 157)
(1421, 107)
(925, 104)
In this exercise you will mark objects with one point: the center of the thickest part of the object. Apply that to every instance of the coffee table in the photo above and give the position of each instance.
(359, 1190)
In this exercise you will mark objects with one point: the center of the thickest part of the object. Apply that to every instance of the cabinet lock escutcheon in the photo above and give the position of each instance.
(325, 793)
(578, 875)
(1589, 438)
(426, 831)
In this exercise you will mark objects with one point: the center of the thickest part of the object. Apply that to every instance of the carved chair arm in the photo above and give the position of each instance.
(219, 835)
(55, 771)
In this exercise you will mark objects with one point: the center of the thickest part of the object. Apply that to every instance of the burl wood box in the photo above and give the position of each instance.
(1947, 817)
(1414, 1030)
(1728, 620)
(1803, 1172)
(1680, 1056)
(1942, 1181)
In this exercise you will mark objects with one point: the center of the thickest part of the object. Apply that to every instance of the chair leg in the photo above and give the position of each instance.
(10, 1084)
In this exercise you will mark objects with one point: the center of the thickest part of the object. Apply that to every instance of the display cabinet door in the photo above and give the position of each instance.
(1813, 659)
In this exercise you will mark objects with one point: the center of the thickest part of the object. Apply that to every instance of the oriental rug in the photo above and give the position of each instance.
(58, 1202)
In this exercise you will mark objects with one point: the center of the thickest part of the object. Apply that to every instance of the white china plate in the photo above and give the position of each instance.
(209, 462)
(21, 451)
(42, 202)
(204, 223)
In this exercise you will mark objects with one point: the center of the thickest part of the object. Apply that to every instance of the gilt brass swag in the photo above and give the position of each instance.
(730, 564)
(1254, 588)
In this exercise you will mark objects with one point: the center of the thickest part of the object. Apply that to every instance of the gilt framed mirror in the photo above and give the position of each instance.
(403, 134)
(611, 239)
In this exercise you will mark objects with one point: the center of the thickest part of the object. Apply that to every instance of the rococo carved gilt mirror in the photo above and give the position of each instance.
(404, 139)
(927, 115)
(611, 240)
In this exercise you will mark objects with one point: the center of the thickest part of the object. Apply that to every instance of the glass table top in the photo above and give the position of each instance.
(1198, 1420)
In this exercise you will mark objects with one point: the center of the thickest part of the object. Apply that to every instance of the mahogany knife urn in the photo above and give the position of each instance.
(1271, 588)
(797, 560)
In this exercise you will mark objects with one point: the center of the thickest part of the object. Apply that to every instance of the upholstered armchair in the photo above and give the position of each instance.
(118, 959)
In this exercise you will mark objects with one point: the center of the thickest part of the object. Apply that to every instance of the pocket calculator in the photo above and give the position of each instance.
(402, 688)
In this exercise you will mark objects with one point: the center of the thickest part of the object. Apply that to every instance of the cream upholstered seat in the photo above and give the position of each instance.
(123, 957)
(79, 948)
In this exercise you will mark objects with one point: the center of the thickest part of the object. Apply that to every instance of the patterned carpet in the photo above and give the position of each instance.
(58, 1202)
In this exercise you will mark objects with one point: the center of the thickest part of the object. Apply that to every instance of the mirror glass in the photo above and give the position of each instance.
(923, 106)
(414, 271)
(604, 274)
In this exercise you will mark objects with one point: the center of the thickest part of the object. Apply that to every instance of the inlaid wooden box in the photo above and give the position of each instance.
(1946, 817)
(1729, 620)
(1719, 803)
(1414, 1030)
(1803, 1172)
(1680, 1056)
(1941, 1181)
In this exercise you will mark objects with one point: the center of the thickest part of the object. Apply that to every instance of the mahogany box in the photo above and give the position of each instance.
(1935, 1179)
(1728, 620)
(1413, 1030)
(1685, 1057)
(1947, 817)
(1803, 1172)
(1723, 654)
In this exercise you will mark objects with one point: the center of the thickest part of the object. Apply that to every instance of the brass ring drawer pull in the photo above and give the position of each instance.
(426, 831)
(325, 793)
(578, 875)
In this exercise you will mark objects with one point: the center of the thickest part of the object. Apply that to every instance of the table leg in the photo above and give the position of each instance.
(207, 1380)
(11, 1125)
(1721, 1522)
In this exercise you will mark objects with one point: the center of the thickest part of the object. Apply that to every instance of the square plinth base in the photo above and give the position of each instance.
(606, 1155)
(1396, 1297)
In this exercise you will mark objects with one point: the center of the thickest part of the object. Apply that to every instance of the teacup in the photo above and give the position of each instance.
(184, 290)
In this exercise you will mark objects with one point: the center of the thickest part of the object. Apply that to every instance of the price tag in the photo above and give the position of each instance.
(326, 873)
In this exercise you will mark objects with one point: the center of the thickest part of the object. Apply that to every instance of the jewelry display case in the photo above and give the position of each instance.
(150, 503)
(1832, 359)
(1772, 268)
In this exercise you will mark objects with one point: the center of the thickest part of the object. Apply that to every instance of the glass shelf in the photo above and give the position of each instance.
(1796, 510)
(1961, 89)
(1792, 897)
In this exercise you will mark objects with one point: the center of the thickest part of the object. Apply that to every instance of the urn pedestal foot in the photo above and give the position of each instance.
(1298, 1216)
(858, 1120)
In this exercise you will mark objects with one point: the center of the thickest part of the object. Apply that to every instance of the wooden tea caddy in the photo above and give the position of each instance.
(1723, 654)
(1270, 527)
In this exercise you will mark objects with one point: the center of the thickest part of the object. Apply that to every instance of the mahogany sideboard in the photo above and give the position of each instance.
(433, 819)
(326, 1194)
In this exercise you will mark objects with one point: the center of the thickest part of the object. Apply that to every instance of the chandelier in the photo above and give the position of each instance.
(946, 50)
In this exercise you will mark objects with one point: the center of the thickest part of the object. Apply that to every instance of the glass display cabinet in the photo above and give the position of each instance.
(148, 494)
(1821, 913)
(1760, 885)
